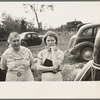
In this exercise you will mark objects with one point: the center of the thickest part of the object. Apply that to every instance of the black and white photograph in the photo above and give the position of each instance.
(44, 42)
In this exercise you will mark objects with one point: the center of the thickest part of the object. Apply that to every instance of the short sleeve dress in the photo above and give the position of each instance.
(17, 65)
(45, 55)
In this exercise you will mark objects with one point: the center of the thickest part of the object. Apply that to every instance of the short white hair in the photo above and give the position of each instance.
(12, 35)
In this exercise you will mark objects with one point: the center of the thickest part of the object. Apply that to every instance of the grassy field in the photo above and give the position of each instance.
(71, 64)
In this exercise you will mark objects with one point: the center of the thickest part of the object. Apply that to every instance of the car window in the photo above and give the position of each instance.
(34, 35)
(96, 30)
(28, 36)
(88, 32)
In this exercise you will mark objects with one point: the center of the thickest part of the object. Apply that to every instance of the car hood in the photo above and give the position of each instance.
(41, 36)
(71, 41)
(21, 36)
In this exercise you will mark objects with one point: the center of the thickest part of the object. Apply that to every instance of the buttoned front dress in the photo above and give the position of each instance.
(17, 64)
(50, 76)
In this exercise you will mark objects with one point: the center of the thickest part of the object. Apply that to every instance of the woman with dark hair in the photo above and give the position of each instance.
(50, 59)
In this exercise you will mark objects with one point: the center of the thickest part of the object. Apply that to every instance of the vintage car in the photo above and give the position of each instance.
(30, 39)
(91, 70)
(82, 43)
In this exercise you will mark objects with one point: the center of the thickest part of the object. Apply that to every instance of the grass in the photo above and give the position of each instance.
(71, 65)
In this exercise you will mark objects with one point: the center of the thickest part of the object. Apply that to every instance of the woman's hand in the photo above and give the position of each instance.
(54, 58)
(55, 70)
(53, 48)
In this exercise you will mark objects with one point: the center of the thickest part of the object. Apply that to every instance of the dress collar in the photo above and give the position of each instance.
(20, 52)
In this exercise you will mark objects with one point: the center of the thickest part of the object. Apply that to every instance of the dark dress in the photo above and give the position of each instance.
(2, 75)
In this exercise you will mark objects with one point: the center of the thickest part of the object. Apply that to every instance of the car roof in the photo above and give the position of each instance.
(27, 32)
(87, 26)
(24, 33)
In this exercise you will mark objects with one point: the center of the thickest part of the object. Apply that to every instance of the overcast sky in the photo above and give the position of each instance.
(63, 12)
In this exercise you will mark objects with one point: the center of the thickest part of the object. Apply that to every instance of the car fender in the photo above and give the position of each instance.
(71, 41)
(23, 42)
(76, 49)
(85, 73)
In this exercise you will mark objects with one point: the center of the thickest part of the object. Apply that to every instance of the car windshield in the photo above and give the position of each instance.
(34, 35)
(96, 30)
(88, 32)
(28, 35)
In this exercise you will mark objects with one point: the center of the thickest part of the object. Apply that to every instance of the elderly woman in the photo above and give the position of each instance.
(50, 59)
(17, 60)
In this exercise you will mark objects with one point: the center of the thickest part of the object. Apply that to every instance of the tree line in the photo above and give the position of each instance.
(10, 24)
(20, 25)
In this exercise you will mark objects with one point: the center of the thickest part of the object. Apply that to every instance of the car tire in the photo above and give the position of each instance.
(86, 53)
(24, 44)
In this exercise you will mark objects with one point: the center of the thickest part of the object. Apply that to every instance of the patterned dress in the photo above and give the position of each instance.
(46, 55)
(17, 64)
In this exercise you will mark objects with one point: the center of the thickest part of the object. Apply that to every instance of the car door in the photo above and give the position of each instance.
(34, 38)
(86, 35)
(28, 39)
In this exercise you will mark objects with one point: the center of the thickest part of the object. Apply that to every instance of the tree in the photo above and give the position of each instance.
(2, 32)
(34, 9)
(30, 26)
(10, 24)
(23, 26)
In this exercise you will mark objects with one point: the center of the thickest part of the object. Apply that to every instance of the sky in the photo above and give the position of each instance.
(63, 12)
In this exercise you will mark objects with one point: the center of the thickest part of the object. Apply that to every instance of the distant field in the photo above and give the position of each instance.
(70, 66)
